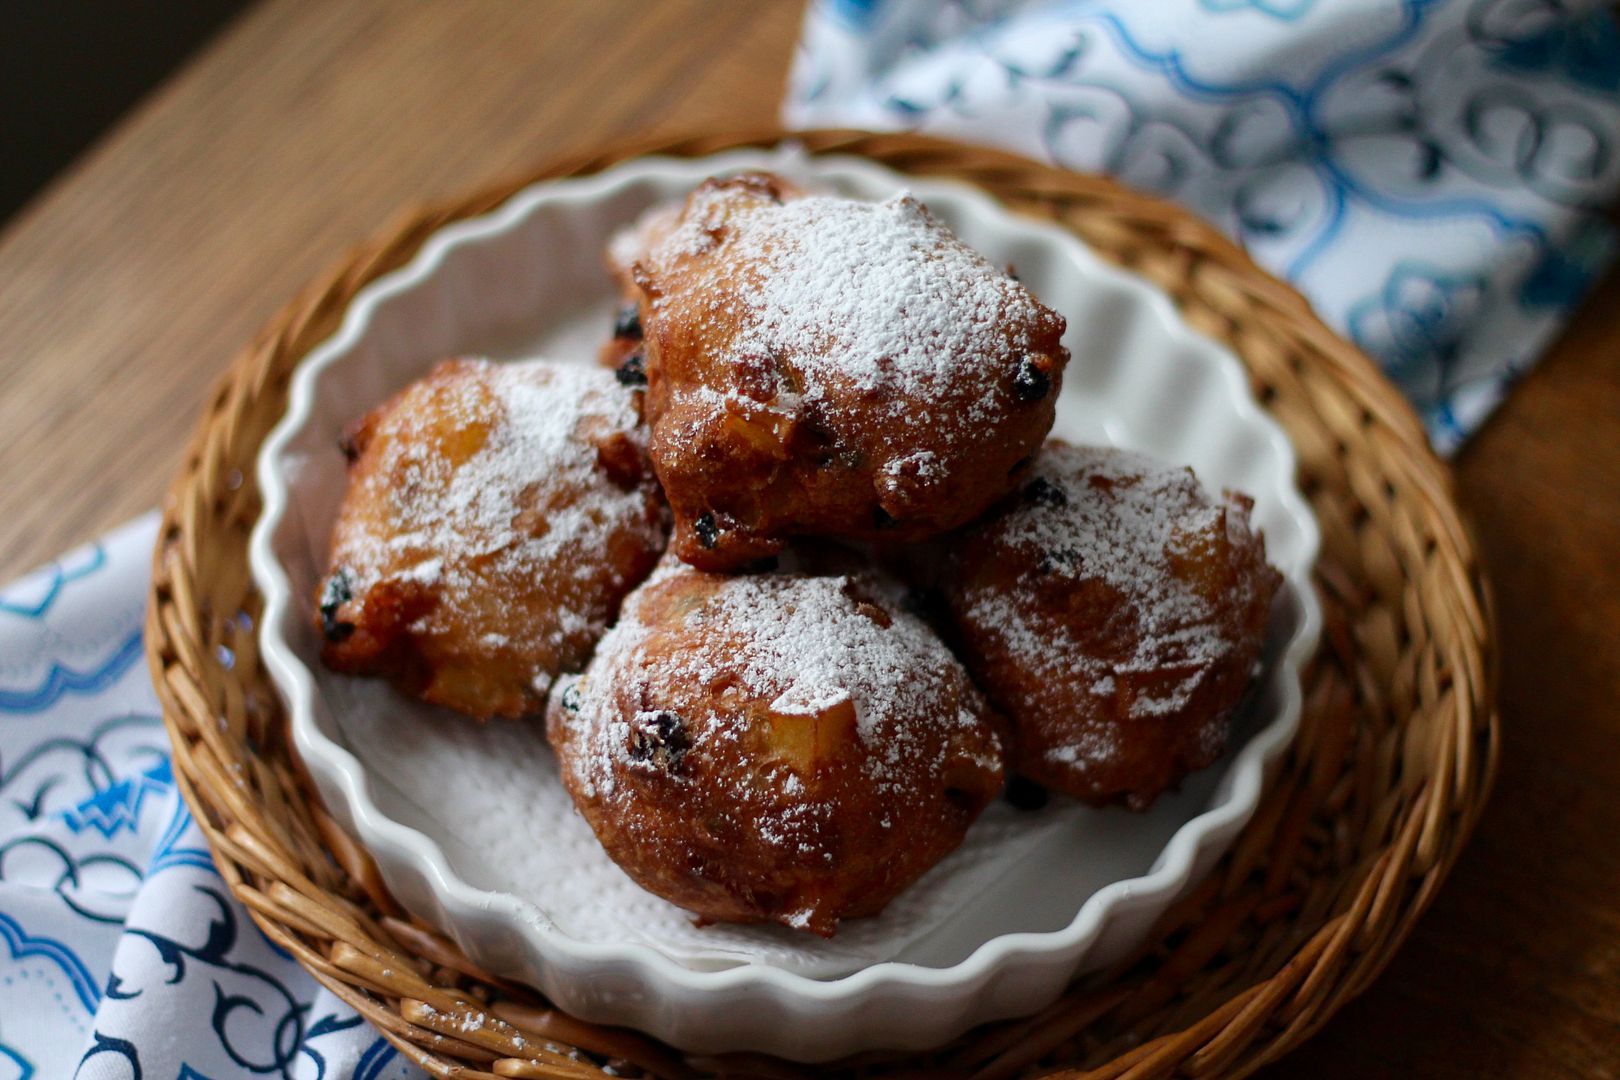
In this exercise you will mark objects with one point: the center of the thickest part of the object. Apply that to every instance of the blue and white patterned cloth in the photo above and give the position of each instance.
(122, 954)
(1427, 172)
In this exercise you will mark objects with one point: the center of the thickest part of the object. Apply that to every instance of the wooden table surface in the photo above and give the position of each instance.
(131, 282)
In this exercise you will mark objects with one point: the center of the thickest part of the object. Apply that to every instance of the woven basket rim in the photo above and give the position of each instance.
(254, 841)
(989, 959)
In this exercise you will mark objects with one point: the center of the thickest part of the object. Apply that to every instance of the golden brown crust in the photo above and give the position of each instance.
(785, 746)
(826, 367)
(495, 516)
(1116, 613)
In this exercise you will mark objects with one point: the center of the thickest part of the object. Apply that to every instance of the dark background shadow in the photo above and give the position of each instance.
(70, 68)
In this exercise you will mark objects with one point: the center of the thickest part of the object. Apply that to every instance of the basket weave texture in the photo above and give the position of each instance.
(1364, 818)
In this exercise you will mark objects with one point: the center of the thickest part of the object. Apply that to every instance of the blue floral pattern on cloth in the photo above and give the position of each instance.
(122, 954)
(1429, 173)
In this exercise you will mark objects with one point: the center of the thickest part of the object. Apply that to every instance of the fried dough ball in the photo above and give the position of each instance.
(1116, 613)
(495, 517)
(820, 366)
(788, 746)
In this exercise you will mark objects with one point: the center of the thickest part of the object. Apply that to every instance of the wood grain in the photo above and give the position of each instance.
(127, 287)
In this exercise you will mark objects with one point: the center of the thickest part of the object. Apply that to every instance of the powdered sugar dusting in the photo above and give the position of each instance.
(875, 302)
(824, 644)
(803, 643)
(1122, 517)
(797, 644)
(492, 482)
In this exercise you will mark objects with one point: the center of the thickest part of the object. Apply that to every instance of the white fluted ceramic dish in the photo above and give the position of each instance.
(526, 279)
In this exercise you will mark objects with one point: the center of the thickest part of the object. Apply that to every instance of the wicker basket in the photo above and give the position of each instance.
(1368, 811)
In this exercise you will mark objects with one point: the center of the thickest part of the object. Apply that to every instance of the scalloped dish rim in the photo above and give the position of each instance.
(389, 839)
